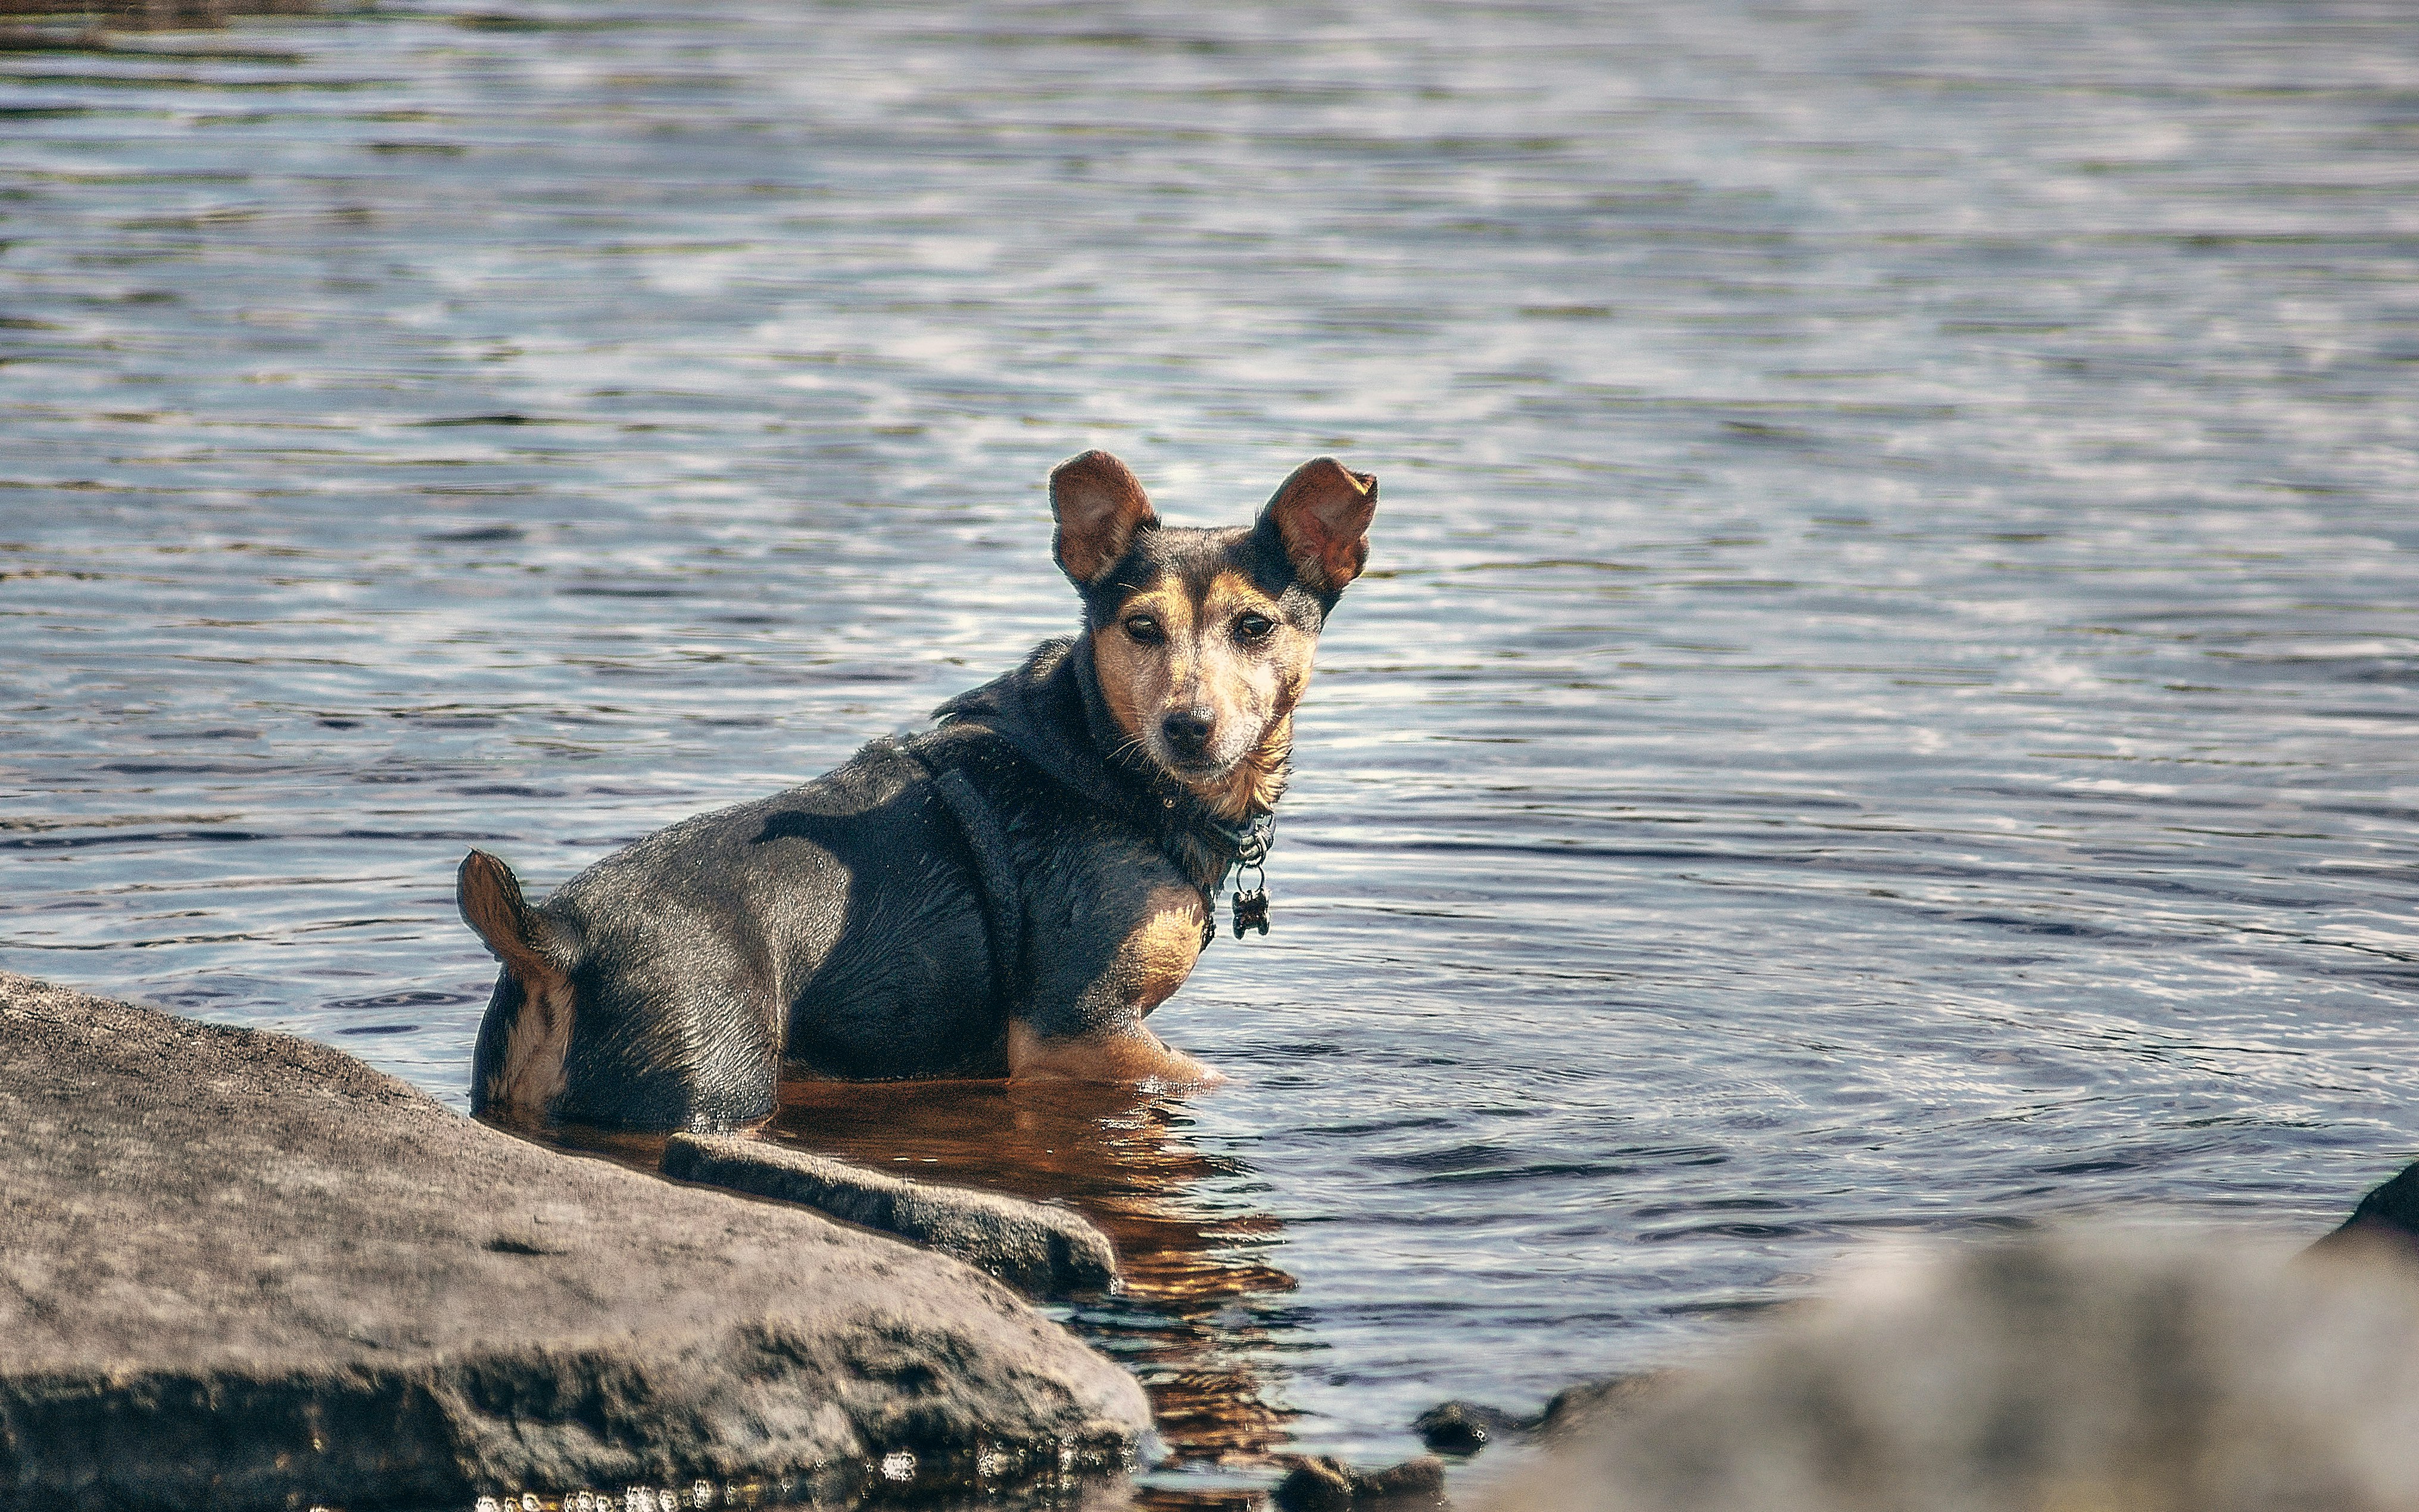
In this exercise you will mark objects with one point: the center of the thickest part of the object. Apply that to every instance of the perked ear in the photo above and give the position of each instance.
(1100, 507)
(1322, 514)
(489, 897)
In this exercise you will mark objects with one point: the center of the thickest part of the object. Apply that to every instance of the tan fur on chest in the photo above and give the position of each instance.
(1154, 960)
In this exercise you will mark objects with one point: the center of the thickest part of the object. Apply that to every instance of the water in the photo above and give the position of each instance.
(1884, 701)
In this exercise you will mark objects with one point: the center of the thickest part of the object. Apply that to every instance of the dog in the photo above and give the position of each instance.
(1009, 893)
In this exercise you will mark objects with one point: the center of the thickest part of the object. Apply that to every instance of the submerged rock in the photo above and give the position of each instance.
(1048, 1252)
(246, 1270)
(1324, 1484)
(2054, 1372)
(1459, 1428)
(1462, 1429)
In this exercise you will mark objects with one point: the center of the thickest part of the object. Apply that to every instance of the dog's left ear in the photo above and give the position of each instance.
(1322, 514)
(1100, 507)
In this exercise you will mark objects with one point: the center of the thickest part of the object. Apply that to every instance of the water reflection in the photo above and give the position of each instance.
(1194, 1321)
(1195, 1317)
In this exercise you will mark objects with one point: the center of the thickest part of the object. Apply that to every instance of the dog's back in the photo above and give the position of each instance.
(659, 983)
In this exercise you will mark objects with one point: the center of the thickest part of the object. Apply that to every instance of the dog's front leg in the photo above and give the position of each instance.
(1084, 1019)
(1129, 1053)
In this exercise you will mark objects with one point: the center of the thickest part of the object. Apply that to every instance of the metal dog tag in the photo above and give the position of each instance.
(1251, 911)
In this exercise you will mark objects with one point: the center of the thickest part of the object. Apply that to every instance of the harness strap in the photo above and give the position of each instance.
(1247, 843)
(995, 884)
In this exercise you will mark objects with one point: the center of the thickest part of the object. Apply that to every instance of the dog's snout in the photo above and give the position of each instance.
(1188, 732)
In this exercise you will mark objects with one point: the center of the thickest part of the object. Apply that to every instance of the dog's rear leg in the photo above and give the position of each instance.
(518, 1071)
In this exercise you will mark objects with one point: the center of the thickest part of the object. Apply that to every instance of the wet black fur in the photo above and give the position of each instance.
(852, 927)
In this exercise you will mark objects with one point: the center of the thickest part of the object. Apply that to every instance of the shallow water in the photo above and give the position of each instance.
(1884, 701)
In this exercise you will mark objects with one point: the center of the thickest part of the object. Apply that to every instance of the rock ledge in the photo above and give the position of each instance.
(1045, 1251)
(240, 1269)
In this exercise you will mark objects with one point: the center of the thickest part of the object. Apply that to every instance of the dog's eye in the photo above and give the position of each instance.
(1254, 626)
(1144, 628)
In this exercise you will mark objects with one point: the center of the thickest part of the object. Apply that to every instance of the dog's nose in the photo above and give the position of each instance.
(1187, 732)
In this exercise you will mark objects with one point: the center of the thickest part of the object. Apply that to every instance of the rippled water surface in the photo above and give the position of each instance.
(1885, 699)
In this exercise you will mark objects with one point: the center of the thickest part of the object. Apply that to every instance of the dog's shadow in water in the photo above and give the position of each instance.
(1197, 1321)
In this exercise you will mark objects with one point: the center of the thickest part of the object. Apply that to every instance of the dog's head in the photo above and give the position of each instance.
(1202, 638)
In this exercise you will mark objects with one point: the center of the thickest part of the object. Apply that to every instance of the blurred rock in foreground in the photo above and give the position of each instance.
(1462, 1429)
(240, 1270)
(2058, 1373)
(2387, 1217)
(1321, 1483)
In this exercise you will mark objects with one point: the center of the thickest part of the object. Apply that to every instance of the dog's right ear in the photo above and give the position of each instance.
(1100, 507)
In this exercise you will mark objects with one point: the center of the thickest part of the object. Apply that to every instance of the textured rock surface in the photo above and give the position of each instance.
(241, 1270)
(2055, 1373)
(1046, 1251)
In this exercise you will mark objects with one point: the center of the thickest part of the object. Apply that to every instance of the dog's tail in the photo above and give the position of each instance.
(518, 1070)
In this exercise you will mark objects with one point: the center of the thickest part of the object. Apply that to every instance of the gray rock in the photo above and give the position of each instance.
(1321, 1483)
(1459, 1428)
(1047, 1250)
(240, 1270)
(2386, 1219)
(2056, 1372)
(1577, 1408)
(1462, 1429)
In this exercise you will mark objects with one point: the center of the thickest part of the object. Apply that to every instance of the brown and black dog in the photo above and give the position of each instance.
(1009, 893)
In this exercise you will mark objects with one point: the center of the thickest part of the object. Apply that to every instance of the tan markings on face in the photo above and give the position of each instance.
(531, 1075)
(1155, 959)
(1135, 676)
(1254, 686)
(1256, 782)
(1204, 664)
